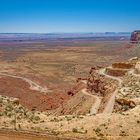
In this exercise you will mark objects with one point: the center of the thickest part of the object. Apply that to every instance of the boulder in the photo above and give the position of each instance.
(123, 101)
(16, 101)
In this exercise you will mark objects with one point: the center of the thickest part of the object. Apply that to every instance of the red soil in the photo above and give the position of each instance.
(18, 88)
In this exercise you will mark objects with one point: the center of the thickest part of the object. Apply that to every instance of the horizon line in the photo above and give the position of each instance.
(62, 32)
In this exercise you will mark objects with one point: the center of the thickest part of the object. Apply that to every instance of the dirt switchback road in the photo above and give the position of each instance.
(110, 104)
(96, 105)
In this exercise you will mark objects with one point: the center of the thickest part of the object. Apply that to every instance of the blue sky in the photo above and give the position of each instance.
(44, 16)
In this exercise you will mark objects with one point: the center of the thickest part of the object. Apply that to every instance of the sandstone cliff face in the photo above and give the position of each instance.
(101, 86)
(119, 69)
(79, 104)
(122, 65)
(98, 84)
(135, 36)
(115, 72)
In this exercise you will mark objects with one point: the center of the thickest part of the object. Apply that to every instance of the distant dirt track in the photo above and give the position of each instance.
(33, 85)
(16, 135)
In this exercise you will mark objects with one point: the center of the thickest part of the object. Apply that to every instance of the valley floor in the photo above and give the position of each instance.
(39, 92)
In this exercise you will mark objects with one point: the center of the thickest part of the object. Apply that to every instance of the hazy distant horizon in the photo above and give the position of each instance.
(44, 36)
(113, 32)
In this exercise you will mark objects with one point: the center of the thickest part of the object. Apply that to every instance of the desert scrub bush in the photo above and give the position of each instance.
(9, 114)
(125, 107)
(8, 100)
(124, 90)
(46, 128)
(68, 118)
(98, 132)
(1, 100)
(42, 121)
(1, 113)
(9, 107)
(31, 117)
(80, 117)
(61, 125)
(103, 124)
(106, 127)
(120, 125)
(13, 121)
(123, 133)
(19, 126)
(74, 130)
(27, 114)
(32, 128)
(36, 118)
(38, 129)
(55, 132)
(19, 110)
(19, 116)
(54, 120)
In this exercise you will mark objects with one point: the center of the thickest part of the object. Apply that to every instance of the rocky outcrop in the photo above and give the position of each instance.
(101, 86)
(77, 87)
(135, 36)
(80, 79)
(123, 105)
(120, 68)
(122, 65)
(16, 101)
(123, 101)
(133, 60)
(79, 104)
(98, 83)
(116, 72)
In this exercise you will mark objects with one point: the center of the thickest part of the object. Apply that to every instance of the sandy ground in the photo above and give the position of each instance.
(11, 135)
(20, 136)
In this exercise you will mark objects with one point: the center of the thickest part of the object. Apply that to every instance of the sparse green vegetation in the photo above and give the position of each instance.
(123, 133)
(76, 130)
(36, 118)
(98, 132)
